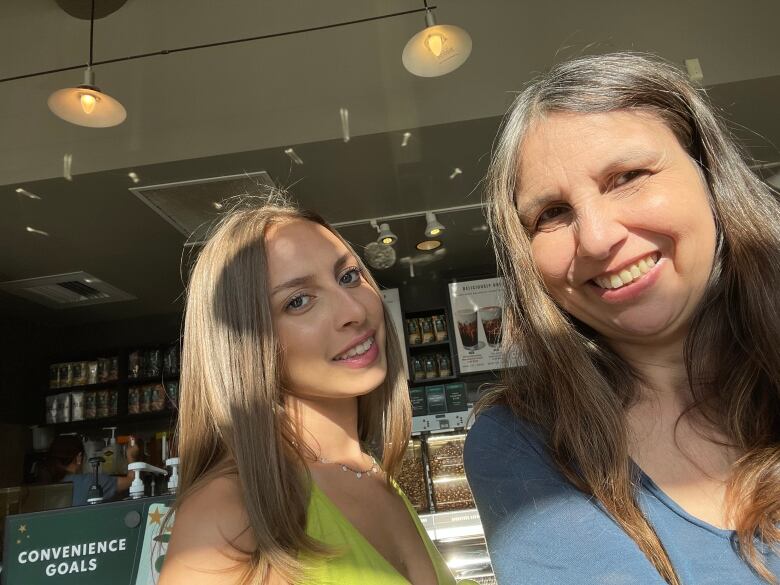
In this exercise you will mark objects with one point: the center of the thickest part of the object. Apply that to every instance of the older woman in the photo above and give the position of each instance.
(641, 443)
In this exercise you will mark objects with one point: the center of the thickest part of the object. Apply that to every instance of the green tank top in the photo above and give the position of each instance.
(360, 563)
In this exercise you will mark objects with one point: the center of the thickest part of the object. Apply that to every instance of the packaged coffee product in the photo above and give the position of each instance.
(134, 365)
(51, 409)
(113, 370)
(103, 366)
(113, 402)
(66, 376)
(79, 373)
(146, 398)
(152, 363)
(157, 398)
(426, 329)
(418, 368)
(54, 376)
(457, 397)
(172, 390)
(101, 403)
(92, 372)
(436, 401)
(134, 400)
(90, 406)
(76, 406)
(444, 365)
(417, 398)
(171, 360)
(440, 328)
(63, 407)
(431, 369)
(413, 327)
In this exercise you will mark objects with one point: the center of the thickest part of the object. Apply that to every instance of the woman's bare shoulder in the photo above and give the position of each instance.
(211, 539)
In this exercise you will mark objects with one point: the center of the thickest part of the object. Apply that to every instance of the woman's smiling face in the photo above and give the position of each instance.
(620, 221)
(328, 318)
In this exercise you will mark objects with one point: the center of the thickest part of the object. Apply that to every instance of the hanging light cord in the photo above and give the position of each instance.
(216, 44)
(91, 32)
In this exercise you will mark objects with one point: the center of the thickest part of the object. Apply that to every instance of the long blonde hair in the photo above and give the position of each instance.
(575, 386)
(231, 418)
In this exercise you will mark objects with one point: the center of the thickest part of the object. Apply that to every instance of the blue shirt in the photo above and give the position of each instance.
(541, 530)
(83, 481)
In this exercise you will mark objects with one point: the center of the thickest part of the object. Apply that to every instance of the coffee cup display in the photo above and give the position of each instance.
(491, 323)
(467, 327)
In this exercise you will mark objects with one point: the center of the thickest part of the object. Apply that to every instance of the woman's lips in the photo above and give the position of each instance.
(362, 360)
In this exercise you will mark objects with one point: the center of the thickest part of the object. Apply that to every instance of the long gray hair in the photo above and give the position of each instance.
(732, 354)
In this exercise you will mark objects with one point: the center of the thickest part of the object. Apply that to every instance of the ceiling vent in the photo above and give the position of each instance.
(191, 206)
(64, 291)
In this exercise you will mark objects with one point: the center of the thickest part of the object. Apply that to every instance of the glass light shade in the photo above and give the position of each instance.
(87, 106)
(436, 50)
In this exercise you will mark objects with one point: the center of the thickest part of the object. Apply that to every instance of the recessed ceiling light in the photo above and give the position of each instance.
(34, 231)
(427, 245)
(26, 193)
(455, 172)
(293, 156)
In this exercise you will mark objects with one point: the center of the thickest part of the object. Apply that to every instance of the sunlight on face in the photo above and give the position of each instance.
(328, 318)
(620, 220)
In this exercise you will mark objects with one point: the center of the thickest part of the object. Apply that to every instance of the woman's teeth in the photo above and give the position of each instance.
(628, 274)
(359, 349)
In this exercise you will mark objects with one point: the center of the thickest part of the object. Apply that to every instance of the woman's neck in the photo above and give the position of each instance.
(662, 370)
(328, 427)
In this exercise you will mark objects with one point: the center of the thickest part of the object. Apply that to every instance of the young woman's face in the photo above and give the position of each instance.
(621, 226)
(329, 320)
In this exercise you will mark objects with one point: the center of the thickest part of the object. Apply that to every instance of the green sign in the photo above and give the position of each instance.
(105, 544)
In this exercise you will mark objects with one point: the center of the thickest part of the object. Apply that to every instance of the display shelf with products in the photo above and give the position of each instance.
(140, 384)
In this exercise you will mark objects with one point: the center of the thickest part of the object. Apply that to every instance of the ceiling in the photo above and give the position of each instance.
(234, 109)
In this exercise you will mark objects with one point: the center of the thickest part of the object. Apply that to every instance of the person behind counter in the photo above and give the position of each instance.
(641, 442)
(65, 462)
(292, 392)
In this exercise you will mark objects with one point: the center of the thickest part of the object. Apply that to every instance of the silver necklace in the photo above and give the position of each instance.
(358, 472)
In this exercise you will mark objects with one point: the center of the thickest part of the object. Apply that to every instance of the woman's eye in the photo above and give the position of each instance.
(298, 302)
(549, 215)
(351, 276)
(627, 177)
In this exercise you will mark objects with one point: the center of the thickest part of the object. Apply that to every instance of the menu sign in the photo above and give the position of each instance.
(477, 310)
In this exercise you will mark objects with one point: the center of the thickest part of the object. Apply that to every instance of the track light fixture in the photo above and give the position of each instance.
(433, 227)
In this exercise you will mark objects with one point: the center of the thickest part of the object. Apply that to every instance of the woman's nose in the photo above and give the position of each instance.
(348, 307)
(599, 232)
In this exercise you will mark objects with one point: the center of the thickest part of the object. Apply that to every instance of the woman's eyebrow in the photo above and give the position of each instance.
(309, 278)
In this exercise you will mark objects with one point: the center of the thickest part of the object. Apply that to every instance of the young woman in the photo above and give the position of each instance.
(641, 442)
(294, 415)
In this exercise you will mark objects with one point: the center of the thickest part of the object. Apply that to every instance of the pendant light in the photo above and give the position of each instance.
(85, 104)
(436, 50)
(432, 228)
